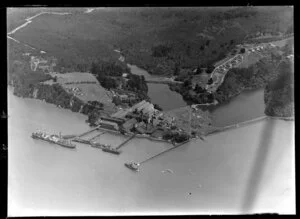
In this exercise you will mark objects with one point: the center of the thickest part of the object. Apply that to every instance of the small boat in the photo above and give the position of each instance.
(133, 166)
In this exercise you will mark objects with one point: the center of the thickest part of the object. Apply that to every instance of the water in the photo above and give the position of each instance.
(248, 105)
(46, 179)
(160, 93)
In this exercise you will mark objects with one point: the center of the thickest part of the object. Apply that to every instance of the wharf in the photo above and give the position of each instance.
(127, 140)
(81, 141)
(156, 155)
(87, 132)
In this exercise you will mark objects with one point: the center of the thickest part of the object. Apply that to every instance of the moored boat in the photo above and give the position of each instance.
(52, 139)
(133, 166)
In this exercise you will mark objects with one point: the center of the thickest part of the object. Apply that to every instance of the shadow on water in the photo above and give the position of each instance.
(253, 183)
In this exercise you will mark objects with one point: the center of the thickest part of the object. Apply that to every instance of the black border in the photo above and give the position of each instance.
(3, 81)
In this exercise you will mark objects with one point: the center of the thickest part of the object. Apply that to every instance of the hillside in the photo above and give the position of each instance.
(156, 39)
(279, 93)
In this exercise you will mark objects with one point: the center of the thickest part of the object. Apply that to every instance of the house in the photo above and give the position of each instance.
(123, 97)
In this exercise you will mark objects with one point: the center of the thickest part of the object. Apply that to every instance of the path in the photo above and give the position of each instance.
(29, 20)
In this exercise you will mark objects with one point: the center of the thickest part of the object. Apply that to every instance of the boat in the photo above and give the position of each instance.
(52, 139)
(96, 144)
(108, 148)
(133, 166)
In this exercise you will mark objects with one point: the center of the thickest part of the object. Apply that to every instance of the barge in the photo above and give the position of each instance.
(108, 148)
(55, 139)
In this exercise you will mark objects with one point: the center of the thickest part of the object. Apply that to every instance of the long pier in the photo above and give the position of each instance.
(156, 155)
(87, 132)
(238, 125)
(127, 140)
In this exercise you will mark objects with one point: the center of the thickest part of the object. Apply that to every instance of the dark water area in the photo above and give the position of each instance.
(160, 93)
(246, 106)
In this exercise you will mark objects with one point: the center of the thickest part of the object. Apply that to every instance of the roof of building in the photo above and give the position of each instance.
(129, 123)
(116, 120)
(108, 122)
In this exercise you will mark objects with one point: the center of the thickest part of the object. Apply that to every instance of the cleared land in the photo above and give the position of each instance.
(86, 91)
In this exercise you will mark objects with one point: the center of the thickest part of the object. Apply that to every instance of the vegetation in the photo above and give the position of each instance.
(152, 38)
(175, 136)
(279, 93)
(236, 80)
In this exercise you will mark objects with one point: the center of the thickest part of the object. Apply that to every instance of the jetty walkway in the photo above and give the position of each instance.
(127, 140)
(94, 137)
(87, 132)
(156, 155)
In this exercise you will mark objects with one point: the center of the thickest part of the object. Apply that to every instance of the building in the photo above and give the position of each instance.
(129, 124)
(108, 125)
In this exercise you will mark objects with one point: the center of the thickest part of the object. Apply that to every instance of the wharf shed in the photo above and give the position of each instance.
(108, 125)
(119, 121)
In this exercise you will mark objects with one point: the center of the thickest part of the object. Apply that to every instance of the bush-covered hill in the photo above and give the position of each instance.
(157, 39)
(279, 93)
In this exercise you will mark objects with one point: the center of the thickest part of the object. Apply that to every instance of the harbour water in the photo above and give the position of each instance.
(246, 106)
(207, 176)
(160, 93)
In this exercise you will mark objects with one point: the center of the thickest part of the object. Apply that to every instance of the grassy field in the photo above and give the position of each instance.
(88, 92)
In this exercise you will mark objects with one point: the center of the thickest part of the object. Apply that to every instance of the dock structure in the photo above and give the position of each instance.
(237, 125)
(83, 141)
(87, 132)
(97, 136)
(156, 155)
(127, 140)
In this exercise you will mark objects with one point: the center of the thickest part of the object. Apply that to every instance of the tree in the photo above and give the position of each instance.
(177, 69)
(199, 89)
(187, 83)
(210, 68)
(210, 81)
(243, 50)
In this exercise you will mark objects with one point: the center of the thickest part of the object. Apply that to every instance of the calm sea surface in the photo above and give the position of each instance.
(208, 176)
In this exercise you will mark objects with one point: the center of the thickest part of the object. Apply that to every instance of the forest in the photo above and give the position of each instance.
(279, 92)
(160, 40)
